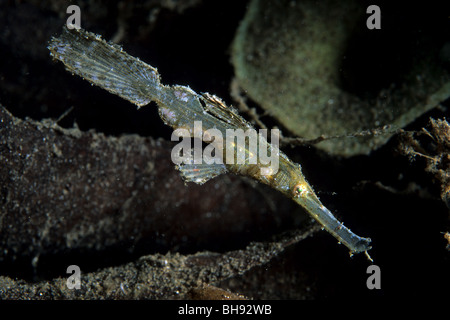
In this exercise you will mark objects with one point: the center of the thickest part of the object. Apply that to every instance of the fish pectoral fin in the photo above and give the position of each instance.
(200, 173)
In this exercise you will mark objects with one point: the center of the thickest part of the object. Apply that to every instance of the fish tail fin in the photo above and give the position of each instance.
(106, 65)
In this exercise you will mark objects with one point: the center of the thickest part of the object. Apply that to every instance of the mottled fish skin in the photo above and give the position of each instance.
(106, 65)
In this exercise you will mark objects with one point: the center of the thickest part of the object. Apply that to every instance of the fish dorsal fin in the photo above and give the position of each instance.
(216, 107)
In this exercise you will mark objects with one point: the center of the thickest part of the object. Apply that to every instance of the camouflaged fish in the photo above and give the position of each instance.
(106, 65)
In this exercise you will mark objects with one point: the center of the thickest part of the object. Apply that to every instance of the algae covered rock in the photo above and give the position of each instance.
(319, 70)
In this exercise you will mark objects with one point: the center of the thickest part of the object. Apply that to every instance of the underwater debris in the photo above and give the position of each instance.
(158, 276)
(209, 292)
(433, 144)
(109, 67)
(317, 69)
(447, 237)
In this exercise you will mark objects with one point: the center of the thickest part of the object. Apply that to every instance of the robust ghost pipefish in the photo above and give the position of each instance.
(106, 65)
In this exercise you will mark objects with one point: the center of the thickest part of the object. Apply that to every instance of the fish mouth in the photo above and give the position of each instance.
(362, 245)
(311, 203)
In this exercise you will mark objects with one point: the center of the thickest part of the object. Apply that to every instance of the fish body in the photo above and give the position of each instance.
(106, 65)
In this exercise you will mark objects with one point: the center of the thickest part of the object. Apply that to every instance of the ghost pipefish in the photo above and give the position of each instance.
(106, 65)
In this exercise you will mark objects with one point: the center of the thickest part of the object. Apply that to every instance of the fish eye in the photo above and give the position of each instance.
(299, 190)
